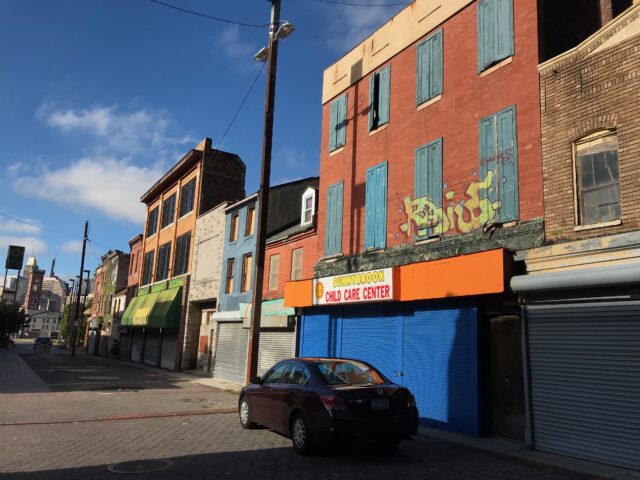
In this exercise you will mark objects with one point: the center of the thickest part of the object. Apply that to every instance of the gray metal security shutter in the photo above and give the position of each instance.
(585, 380)
(274, 346)
(231, 352)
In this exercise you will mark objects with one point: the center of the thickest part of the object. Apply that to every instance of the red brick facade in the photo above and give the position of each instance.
(467, 97)
(285, 248)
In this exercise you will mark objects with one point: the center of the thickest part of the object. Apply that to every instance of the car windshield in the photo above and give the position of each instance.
(349, 372)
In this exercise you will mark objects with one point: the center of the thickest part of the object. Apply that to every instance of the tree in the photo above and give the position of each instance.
(13, 318)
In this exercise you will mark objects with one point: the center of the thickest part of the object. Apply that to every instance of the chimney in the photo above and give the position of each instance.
(606, 12)
(204, 145)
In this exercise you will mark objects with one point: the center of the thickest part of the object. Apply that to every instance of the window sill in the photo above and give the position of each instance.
(333, 257)
(186, 215)
(336, 151)
(374, 251)
(431, 101)
(497, 66)
(166, 227)
(612, 223)
(428, 240)
(379, 129)
(152, 235)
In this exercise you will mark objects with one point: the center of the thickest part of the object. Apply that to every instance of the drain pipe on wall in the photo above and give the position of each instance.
(526, 369)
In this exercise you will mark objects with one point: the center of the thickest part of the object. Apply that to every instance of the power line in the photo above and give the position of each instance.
(352, 4)
(210, 17)
(41, 227)
(235, 115)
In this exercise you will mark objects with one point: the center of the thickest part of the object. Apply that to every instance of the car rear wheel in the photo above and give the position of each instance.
(300, 435)
(245, 414)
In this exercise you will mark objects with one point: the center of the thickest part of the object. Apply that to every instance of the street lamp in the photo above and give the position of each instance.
(277, 31)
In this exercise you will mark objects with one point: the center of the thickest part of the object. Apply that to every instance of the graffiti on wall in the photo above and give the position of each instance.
(423, 214)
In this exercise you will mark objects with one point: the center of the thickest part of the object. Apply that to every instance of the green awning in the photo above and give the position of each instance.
(144, 307)
(166, 310)
(127, 316)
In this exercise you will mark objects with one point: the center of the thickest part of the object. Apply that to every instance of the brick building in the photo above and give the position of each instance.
(155, 317)
(229, 325)
(580, 290)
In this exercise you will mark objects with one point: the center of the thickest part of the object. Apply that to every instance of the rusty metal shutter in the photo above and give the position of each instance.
(584, 363)
(274, 346)
(231, 352)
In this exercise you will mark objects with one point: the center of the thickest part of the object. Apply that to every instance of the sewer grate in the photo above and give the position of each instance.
(98, 377)
(139, 466)
(116, 388)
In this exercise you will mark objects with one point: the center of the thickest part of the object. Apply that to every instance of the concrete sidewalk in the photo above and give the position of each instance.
(16, 376)
(519, 450)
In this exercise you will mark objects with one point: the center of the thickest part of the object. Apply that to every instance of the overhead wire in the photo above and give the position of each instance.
(354, 4)
(210, 17)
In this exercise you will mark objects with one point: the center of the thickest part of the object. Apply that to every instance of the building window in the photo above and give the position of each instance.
(152, 222)
(132, 262)
(375, 232)
(379, 98)
(181, 260)
(598, 179)
(499, 164)
(428, 178)
(187, 197)
(168, 211)
(338, 123)
(245, 281)
(429, 68)
(162, 267)
(147, 268)
(228, 284)
(233, 227)
(251, 220)
(308, 206)
(296, 263)
(333, 221)
(274, 270)
(495, 32)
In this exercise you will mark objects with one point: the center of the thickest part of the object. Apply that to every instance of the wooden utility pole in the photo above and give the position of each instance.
(263, 195)
(77, 315)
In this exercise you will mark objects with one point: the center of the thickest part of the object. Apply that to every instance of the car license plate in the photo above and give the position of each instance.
(379, 404)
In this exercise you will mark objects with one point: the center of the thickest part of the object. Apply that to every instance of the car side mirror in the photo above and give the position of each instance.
(256, 380)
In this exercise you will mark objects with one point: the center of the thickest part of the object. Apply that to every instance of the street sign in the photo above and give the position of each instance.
(15, 257)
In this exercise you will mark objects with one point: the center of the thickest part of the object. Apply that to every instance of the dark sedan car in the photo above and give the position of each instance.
(317, 400)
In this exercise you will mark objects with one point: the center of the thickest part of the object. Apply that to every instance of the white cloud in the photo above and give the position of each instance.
(351, 25)
(72, 246)
(237, 49)
(100, 182)
(127, 132)
(9, 225)
(31, 244)
(17, 168)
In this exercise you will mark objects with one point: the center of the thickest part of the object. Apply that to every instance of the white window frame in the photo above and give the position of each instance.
(308, 193)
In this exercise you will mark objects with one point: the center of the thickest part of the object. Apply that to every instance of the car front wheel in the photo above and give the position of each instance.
(245, 414)
(300, 435)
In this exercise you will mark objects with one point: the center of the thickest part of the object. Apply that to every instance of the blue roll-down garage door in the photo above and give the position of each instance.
(432, 348)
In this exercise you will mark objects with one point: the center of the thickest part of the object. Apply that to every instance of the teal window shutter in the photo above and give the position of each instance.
(435, 65)
(429, 68)
(504, 36)
(495, 32)
(499, 159)
(428, 176)
(371, 100)
(375, 235)
(383, 104)
(508, 164)
(333, 220)
(333, 119)
(341, 134)
(338, 123)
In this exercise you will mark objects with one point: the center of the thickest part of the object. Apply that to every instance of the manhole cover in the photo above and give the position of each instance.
(112, 388)
(194, 400)
(139, 466)
(97, 377)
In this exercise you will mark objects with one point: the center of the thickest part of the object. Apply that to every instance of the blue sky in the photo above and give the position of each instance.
(99, 97)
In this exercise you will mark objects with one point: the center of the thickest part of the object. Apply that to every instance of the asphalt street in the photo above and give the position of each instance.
(81, 418)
